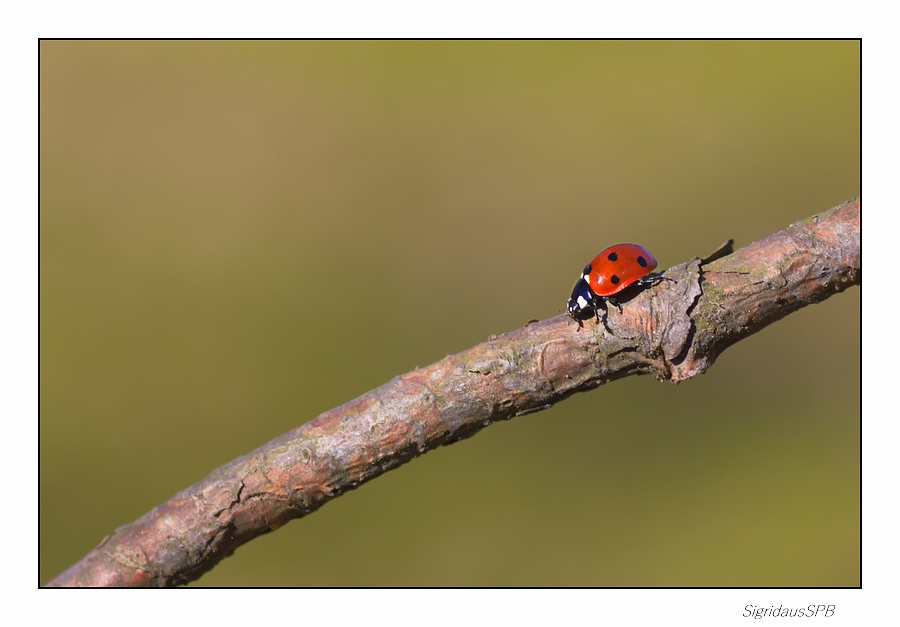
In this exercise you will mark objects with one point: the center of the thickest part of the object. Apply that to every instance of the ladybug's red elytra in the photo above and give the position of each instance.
(610, 272)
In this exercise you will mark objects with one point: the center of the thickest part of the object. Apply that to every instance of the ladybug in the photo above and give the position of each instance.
(607, 274)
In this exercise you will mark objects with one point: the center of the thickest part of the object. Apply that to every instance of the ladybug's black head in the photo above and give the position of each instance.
(581, 304)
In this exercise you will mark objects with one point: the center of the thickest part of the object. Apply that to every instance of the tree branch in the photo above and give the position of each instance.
(674, 330)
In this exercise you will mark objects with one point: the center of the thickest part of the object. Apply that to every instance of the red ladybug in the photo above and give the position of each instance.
(609, 273)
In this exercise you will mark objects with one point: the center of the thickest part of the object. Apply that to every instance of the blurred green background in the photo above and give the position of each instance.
(237, 236)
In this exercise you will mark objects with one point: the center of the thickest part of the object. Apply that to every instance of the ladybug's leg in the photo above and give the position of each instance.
(653, 279)
(614, 303)
(600, 303)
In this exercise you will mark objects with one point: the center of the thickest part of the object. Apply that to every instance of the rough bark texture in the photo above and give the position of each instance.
(674, 330)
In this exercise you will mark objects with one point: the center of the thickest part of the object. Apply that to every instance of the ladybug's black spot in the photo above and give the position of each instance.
(614, 279)
(587, 269)
(612, 257)
(642, 262)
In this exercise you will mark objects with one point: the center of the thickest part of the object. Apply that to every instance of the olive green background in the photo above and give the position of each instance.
(237, 236)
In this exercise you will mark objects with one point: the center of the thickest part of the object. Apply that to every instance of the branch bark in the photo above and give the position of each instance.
(674, 330)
